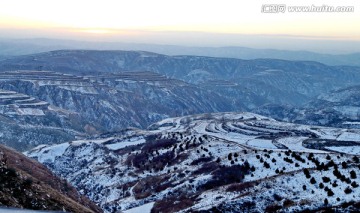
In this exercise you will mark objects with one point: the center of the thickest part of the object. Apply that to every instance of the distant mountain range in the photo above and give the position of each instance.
(141, 131)
(30, 46)
(274, 81)
(86, 92)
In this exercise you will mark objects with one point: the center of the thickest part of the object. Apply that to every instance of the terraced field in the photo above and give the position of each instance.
(13, 103)
(237, 162)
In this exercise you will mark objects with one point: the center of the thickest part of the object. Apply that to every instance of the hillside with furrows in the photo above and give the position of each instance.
(52, 107)
(26, 121)
(232, 162)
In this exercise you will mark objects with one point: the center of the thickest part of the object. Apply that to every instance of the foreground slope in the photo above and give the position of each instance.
(224, 161)
(24, 183)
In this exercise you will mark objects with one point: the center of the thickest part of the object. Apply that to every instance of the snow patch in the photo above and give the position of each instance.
(146, 208)
(261, 143)
(349, 136)
(353, 150)
(30, 111)
(123, 144)
(48, 153)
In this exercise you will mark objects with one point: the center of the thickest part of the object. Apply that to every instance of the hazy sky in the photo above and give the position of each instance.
(185, 22)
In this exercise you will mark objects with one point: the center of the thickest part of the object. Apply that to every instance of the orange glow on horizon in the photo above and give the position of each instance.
(95, 31)
(128, 17)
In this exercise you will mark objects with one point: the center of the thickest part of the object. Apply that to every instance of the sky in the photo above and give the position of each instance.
(186, 22)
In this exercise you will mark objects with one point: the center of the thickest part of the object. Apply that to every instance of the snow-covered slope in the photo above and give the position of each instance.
(26, 121)
(51, 107)
(110, 101)
(339, 108)
(235, 162)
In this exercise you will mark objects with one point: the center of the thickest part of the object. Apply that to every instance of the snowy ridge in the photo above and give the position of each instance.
(237, 162)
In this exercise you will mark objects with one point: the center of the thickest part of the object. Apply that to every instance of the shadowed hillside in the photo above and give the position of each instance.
(24, 183)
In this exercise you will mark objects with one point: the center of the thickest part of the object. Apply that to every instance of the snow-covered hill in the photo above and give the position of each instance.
(339, 108)
(235, 162)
